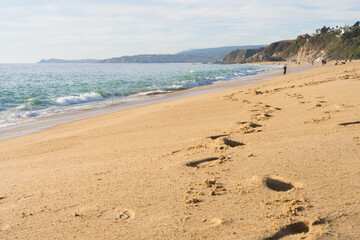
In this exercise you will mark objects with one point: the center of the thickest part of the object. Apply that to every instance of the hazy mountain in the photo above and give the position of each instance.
(193, 55)
(55, 60)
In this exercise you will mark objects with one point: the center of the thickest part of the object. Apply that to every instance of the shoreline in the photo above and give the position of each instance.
(51, 121)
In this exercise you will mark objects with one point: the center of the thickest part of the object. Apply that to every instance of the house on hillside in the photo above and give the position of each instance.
(345, 29)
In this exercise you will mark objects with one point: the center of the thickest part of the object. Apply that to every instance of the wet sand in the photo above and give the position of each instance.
(274, 160)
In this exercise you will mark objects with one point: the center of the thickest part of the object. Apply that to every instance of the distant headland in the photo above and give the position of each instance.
(205, 55)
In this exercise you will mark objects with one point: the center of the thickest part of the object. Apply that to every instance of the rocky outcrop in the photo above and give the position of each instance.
(240, 55)
(315, 47)
(277, 51)
(331, 45)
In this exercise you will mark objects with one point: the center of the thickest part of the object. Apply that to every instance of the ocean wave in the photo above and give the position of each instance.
(150, 93)
(175, 88)
(83, 98)
(29, 103)
(14, 118)
(8, 124)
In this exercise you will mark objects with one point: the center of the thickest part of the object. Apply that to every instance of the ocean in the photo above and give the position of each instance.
(33, 91)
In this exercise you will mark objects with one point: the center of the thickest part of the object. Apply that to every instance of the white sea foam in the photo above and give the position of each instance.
(86, 97)
(175, 88)
(14, 118)
(21, 106)
(149, 93)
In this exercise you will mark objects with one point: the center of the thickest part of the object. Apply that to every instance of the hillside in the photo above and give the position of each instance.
(328, 43)
(240, 55)
(220, 50)
(277, 51)
(194, 55)
(330, 46)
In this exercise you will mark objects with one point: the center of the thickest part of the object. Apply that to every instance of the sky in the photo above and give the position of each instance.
(31, 30)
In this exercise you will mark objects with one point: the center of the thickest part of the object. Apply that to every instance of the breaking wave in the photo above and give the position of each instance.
(83, 98)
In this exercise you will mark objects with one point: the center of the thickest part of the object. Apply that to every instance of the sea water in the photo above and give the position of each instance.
(32, 91)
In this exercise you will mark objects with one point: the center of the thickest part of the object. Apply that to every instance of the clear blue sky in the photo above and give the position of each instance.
(34, 29)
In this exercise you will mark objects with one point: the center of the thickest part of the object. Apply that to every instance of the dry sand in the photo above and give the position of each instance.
(275, 160)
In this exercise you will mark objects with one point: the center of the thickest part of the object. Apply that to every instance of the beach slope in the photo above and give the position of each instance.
(275, 160)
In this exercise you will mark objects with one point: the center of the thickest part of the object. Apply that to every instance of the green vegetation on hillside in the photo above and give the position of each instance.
(334, 43)
(337, 42)
(240, 55)
(349, 44)
(298, 43)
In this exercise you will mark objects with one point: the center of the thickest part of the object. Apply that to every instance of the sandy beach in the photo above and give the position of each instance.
(276, 160)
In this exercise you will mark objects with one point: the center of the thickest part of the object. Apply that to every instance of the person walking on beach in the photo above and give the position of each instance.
(285, 67)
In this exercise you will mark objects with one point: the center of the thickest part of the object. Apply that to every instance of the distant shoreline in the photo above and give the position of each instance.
(205, 55)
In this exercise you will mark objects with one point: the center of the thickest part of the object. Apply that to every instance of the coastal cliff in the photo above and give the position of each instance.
(328, 43)
(277, 51)
(240, 55)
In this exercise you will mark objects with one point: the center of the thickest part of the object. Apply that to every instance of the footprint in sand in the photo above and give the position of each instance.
(4, 227)
(124, 215)
(222, 143)
(349, 123)
(248, 127)
(231, 97)
(195, 223)
(290, 229)
(319, 104)
(257, 92)
(319, 119)
(261, 116)
(198, 163)
(218, 136)
(208, 161)
(279, 184)
(295, 95)
(117, 213)
(213, 222)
